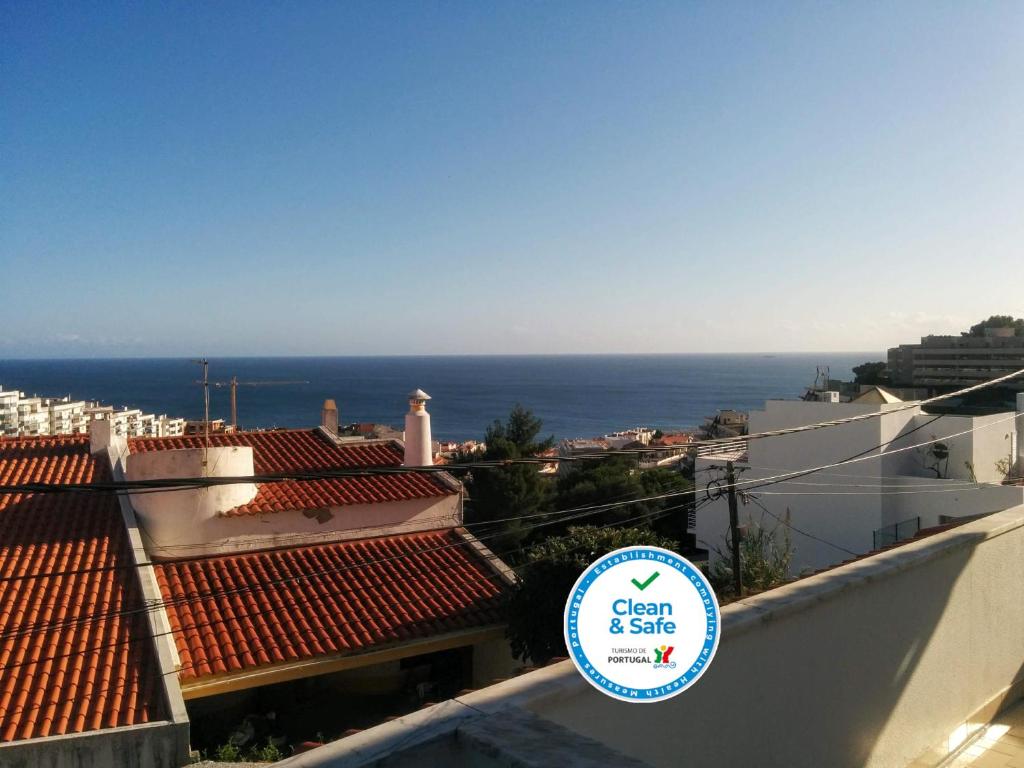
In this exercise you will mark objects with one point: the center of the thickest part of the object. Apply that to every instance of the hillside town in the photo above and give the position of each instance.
(262, 617)
(575, 384)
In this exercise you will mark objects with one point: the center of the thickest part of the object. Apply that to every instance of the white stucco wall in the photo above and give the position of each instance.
(225, 535)
(897, 657)
(845, 505)
(180, 514)
(870, 664)
(190, 523)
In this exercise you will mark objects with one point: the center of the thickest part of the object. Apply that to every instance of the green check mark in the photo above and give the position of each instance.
(645, 584)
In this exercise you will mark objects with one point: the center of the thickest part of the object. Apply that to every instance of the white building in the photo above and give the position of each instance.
(170, 427)
(67, 416)
(9, 412)
(33, 416)
(862, 505)
(617, 440)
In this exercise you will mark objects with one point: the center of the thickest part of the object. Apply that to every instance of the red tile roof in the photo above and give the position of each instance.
(301, 450)
(61, 671)
(341, 598)
(675, 439)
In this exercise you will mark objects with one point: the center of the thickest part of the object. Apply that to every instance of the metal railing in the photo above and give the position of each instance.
(890, 534)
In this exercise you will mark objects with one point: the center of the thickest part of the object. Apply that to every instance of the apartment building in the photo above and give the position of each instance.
(33, 416)
(958, 361)
(9, 412)
(67, 416)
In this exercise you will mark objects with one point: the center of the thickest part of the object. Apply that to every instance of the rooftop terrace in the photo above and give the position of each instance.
(902, 658)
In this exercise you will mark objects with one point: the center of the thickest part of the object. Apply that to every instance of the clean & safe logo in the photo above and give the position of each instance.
(642, 624)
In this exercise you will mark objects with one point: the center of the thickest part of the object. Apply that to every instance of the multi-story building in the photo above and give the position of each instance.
(958, 361)
(30, 416)
(913, 470)
(377, 590)
(9, 411)
(170, 427)
(132, 422)
(33, 416)
(67, 416)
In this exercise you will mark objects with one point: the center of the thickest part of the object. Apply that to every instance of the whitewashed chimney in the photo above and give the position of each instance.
(417, 431)
(329, 417)
(100, 434)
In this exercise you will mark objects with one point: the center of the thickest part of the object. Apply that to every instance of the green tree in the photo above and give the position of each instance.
(871, 373)
(617, 478)
(537, 605)
(516, 490)
(997, 321)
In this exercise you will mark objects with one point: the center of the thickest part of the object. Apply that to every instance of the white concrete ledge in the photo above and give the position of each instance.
(871, 663)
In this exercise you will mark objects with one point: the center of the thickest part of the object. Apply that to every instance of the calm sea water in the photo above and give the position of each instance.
(575, 395)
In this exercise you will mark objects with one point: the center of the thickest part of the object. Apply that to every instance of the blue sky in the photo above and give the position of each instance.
(394, 178)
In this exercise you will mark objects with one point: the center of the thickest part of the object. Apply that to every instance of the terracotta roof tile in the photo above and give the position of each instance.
(339, 598)
(111, 678)
(301, 450)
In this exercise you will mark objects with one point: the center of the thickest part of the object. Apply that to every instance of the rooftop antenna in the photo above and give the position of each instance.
(234, 384)
(206, 409)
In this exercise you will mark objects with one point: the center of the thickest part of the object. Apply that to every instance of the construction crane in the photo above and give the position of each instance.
(234, 383)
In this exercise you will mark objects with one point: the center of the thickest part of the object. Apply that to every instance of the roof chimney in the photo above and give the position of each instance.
(329, 417)
(100, 434)
(417, 431)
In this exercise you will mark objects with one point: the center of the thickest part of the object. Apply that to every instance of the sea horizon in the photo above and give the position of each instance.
(580, 395)
(768, 353)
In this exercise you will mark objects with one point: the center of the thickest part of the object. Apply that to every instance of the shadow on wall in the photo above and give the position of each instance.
(826, 671)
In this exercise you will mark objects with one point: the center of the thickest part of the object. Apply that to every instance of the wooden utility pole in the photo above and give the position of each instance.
(206, 409)
(734, 530)
(234, 402)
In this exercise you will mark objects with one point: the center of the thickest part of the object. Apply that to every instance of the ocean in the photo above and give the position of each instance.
(575, 395)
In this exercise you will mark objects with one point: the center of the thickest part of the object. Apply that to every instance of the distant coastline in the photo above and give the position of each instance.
(578, 395)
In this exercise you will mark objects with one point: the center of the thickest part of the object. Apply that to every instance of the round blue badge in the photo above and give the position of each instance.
(642, 624)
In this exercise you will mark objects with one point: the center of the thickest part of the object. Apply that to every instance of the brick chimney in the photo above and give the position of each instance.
(329, 417)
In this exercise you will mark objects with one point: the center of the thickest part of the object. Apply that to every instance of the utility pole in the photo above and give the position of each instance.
(234, 402)
(734, 530)
(206, 410)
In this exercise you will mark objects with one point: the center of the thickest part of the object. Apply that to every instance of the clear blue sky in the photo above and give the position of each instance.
(335, 178)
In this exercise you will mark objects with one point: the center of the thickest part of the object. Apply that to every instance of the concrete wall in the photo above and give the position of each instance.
(177, 521)
(180, 514)
(492, 661)
(845, 505)
(809, 449)
(845, 520)
(225, 535)
(154, 745)
(896, 657)
(870, 664)
(941, 499)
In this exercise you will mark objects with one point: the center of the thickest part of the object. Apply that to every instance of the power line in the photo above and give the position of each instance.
(665, 511)
(790, 525)
(861, 456)
(152, 636)
(855, 458)
(963, 489)
(168, 484)
(763, 482)
(163, 603)
(869, 454)
(331, 537)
